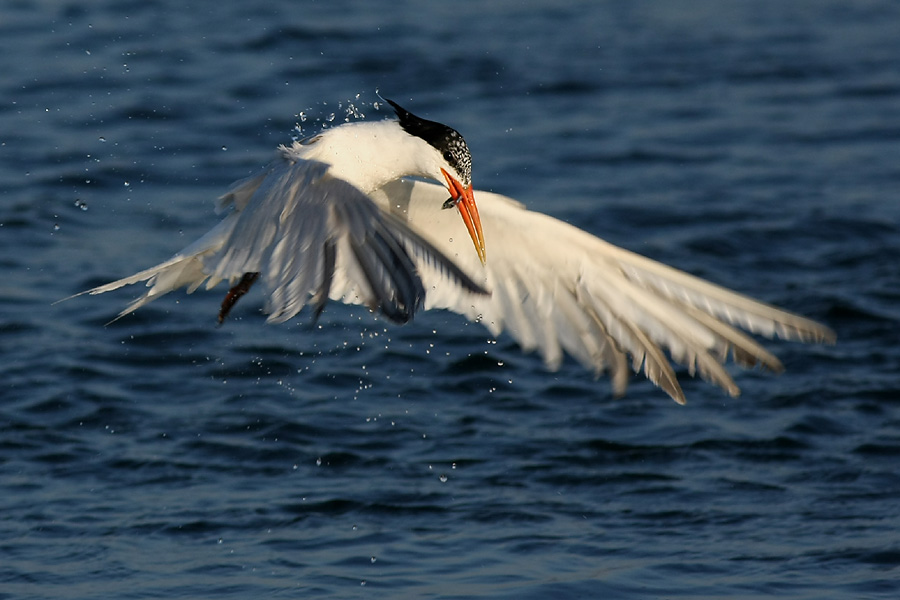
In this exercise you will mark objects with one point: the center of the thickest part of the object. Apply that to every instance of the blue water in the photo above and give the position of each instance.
(756, 144)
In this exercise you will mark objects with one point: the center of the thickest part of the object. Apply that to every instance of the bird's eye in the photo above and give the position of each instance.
(448, 156)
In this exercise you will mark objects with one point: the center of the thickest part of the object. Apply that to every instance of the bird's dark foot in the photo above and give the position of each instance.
(235, 293)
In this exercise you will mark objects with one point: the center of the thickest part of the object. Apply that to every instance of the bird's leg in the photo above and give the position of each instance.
(235, 293)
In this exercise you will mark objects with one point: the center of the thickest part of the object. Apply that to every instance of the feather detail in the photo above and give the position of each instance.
(556, 287)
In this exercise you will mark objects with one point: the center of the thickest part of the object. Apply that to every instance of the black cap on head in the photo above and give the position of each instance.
(447, 140)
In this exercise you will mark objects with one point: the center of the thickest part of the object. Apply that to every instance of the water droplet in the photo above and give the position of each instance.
(81, 204)
(127, 184)
(319, 462)
(102, 139)
(443, 478)
(363, 582)
(224, 148)
(56, 227)
(374, 559)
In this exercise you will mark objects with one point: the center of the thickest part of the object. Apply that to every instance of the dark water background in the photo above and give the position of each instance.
(753, 143)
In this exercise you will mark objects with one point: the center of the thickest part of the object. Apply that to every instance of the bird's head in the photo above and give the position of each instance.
(452, 161)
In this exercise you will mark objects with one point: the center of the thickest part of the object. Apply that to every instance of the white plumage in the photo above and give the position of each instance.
(559, 290)
(332, 218)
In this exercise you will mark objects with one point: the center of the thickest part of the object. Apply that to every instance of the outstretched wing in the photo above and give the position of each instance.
(558, 289)
(311, 237)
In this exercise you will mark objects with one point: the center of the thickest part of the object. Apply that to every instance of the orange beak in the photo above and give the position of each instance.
(465, 202)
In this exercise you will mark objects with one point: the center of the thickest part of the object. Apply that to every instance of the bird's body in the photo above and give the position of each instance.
(333, 217)
(356, 153)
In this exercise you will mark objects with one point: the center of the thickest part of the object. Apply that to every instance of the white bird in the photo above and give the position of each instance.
(333, 217)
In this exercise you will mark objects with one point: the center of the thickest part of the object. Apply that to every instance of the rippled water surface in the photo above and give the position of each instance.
(752, 143)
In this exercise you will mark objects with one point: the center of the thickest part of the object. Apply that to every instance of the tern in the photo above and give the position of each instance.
(347, 215)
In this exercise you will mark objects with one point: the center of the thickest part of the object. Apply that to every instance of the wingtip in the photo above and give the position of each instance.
(55, 302)
(676, 393)
(827, 336)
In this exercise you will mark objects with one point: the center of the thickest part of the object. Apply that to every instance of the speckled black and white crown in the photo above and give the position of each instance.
(449, 142)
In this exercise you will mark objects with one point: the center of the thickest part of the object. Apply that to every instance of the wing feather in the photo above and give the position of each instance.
(557, 288)
(304, 231)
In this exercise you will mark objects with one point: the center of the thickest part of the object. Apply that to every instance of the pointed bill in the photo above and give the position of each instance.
(464, 198)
